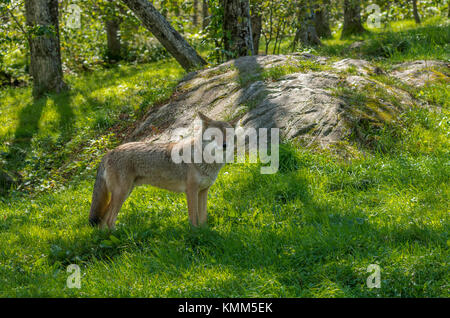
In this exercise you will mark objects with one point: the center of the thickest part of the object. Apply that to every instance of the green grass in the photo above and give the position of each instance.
(310, 230)
(43, 139)
(397, 42)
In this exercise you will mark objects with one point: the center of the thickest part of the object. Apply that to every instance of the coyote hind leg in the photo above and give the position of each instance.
(192, 202)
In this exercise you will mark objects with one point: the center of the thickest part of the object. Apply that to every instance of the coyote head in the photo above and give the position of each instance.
(212, 141)
(214, 129)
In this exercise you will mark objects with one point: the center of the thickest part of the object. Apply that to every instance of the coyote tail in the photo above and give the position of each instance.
(100, 197)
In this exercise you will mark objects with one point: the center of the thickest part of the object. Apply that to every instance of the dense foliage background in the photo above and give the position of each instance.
(85, 47)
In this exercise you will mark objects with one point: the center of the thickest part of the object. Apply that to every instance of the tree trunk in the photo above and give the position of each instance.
(237, 28)
(195, 13)
(175, 7)
(306, 29)
(387, 18)
(45, 60)
(322, 22)
(268, 35)
(174, 43)
(415, 12)
(256, 21)
(205, 14)
(113, 39)
(352, 18)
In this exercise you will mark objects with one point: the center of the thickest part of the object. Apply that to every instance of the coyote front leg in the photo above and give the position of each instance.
(192, 202)
(119, 194)
(202, 207)
(117, 200)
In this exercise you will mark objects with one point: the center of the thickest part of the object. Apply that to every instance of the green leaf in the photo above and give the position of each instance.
(114, 239)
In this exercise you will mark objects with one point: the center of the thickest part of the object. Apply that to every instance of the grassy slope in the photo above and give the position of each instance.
(310, 230)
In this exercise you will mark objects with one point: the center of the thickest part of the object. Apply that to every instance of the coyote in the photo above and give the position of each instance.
(138, 163)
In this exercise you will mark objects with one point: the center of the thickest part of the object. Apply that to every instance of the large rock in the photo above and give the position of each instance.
(359, 66)
(303, 95)
(419, 73)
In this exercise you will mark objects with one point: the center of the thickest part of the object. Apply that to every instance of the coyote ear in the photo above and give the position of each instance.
(204, 118)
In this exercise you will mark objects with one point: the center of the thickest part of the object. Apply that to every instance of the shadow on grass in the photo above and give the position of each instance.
(30, 115)
(28, 126)
(301, 249)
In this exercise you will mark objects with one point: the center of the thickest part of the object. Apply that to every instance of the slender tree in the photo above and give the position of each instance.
(195, 13)
(174, 43)
(112, 23)
(416, 12)
(45, 52)
(237, 29)
(175, 7)
(306, 29)
(205, 14)
(256, 23)
(113, 39)
(321, 19)
(352, 18)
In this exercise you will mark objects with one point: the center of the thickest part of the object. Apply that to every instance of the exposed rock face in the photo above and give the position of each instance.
(360, 66)
(299, 104)
(306, 103)
(417, 73)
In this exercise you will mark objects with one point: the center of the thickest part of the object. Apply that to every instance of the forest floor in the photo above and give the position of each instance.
(310, 230)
